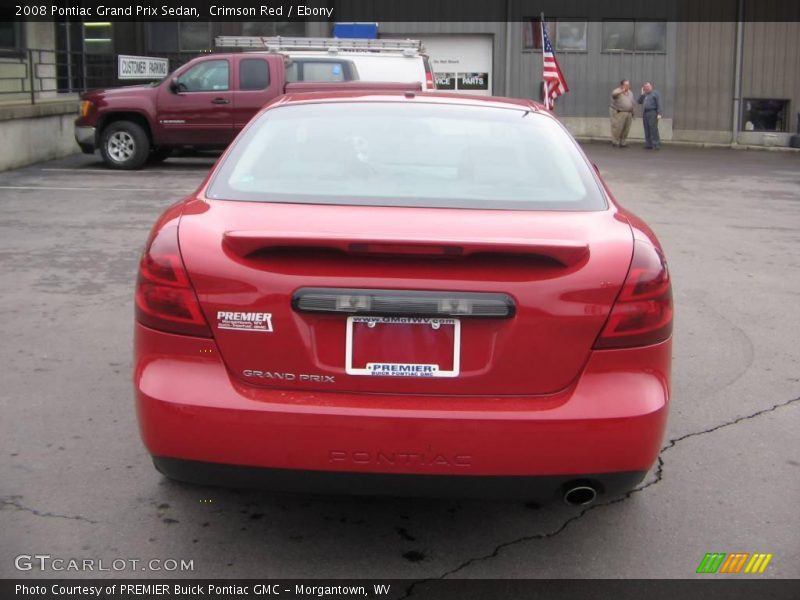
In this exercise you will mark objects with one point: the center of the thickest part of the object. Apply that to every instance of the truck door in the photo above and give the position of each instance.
(196, 107)
(256, 84)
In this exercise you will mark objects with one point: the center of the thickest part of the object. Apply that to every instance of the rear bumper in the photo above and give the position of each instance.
(611, 421)
(545, 488)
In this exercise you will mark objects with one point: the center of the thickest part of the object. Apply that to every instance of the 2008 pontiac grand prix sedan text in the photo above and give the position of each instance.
(404, 293)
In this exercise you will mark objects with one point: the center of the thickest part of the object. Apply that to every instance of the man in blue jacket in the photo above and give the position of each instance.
(650, 100)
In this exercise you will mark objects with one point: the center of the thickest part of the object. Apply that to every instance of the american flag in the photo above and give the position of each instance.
(554, 83)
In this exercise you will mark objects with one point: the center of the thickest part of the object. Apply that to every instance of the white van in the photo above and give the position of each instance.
(335, 59)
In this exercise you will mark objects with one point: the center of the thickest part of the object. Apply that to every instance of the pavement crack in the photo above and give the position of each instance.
(13, 503)
(659, 475)
(736, 421)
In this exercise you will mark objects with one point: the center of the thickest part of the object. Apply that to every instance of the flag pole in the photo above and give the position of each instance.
(544, 81)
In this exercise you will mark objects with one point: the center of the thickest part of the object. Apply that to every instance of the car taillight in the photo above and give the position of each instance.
(642, 314)
(429, 81)
(165, 299)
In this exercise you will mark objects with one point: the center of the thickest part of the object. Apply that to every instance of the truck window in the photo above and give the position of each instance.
(309, 69)
(253, 74)
(207, 76)
(323, 71)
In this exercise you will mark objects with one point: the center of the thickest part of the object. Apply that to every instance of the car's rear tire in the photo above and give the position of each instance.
(159, 154)
(124, 145)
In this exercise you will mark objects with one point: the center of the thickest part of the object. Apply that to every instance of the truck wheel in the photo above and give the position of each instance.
(159, 154)
(124, 145)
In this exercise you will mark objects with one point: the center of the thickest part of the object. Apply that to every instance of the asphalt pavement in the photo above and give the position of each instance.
(76, 482)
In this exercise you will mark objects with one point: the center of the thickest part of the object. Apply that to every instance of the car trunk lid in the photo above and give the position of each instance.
(404, 300)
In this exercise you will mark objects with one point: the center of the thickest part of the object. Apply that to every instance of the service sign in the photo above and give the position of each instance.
(445, 81)
(141, 67)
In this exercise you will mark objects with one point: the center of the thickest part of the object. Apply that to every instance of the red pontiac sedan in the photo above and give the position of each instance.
(404, 293)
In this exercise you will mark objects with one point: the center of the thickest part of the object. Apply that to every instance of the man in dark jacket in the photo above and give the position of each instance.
(650, 100)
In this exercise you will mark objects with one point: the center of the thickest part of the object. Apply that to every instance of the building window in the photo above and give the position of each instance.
(98, 37)
(617, 35)
(761, 114)
(270, 28)
(650, 36)
(11, 35)
(162, 37)
(179, 37)
(571, 36)
(195, 36)
(566, 36)
(634, 36)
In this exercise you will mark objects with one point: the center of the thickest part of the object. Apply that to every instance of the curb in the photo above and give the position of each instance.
(599, 140)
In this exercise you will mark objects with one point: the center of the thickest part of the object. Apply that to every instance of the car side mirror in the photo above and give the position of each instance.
(175, 86)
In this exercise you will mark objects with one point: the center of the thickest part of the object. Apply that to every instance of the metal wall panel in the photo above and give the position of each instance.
(695, 75)
(705, 72)
(771, 66)
(593, 74)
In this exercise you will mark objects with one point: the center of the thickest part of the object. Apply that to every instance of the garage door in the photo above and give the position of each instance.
(461, 63)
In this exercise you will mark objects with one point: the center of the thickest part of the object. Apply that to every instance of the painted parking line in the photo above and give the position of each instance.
(93, 189)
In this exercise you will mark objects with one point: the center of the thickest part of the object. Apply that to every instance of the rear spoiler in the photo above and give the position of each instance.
(303, 87)
(244, 243)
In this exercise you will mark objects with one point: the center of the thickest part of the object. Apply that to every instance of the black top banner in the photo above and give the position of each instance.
(397, 10)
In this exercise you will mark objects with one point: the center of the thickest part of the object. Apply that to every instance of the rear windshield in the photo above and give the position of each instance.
(407, 154)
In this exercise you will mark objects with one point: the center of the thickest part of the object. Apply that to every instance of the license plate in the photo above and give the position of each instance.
(402, 347)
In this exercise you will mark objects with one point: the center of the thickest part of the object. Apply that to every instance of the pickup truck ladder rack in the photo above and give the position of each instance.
(332, 45)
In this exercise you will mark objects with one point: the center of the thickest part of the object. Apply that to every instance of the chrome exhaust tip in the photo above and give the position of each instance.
(580, 495)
